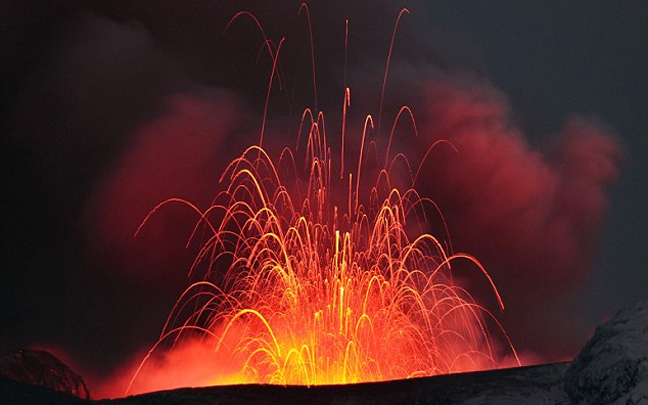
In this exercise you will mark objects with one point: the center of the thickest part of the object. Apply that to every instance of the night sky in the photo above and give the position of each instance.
(110, 107)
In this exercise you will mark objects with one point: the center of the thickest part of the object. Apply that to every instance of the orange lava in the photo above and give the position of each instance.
(314, 293)
(312, 277)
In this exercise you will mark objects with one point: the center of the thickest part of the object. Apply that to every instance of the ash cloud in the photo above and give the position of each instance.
(128, 104)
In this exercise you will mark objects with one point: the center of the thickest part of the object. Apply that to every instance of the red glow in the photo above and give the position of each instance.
(315, 293)
(313, 278)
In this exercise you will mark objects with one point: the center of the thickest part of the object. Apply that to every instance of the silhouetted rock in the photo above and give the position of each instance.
(42, 368)
(20, 393)
(612, 368)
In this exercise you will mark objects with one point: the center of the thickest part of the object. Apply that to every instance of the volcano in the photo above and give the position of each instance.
(328, 281)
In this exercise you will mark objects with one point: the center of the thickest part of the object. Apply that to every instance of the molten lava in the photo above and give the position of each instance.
(309, 277)
(313, 293)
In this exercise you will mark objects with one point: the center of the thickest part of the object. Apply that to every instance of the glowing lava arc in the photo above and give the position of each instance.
(314, 293)
(310, 278)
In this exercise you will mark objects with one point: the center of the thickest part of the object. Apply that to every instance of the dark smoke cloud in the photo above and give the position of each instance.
(129, 103)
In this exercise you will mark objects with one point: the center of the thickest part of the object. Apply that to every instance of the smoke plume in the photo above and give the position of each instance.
(531, 217)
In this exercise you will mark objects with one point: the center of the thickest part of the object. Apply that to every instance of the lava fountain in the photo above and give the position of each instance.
(311, 274)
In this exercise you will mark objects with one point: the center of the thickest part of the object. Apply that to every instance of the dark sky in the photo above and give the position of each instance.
(97, 97)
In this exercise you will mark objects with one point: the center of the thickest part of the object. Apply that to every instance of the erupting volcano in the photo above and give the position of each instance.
(314, 273)
(241, 202)
(320, 294)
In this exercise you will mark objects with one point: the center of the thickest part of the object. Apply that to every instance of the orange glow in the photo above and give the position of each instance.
(312, 278)
(314, 293)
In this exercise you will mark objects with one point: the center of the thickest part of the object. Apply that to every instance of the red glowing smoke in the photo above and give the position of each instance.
(532, 212)
(178, 155)
(531, 217)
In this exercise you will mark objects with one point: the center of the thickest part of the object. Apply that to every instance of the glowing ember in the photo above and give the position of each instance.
(314, 278)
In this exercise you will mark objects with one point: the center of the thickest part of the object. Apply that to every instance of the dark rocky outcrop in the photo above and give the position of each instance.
(38, 367)
(612, 368)
(19, 393)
